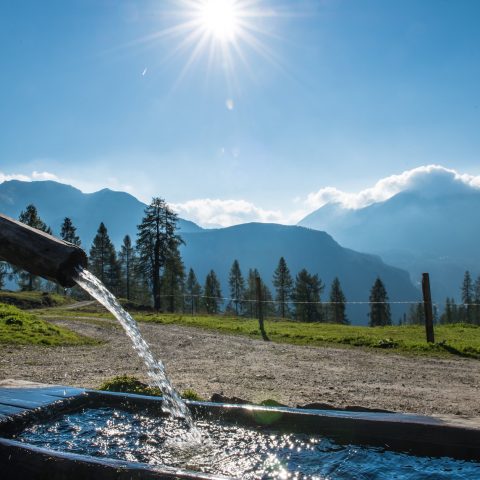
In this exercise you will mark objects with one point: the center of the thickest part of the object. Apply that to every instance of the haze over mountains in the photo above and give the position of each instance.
(254, 245)
(120, 211)
(421, 220)
(431, 225)
(260, 245)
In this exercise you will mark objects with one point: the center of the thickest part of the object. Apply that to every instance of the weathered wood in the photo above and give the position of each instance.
(427, 304)
(39, 253)
(261, 325)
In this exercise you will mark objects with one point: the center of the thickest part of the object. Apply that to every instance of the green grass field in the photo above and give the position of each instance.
(19, 327)
(30, 300)
(457, 339)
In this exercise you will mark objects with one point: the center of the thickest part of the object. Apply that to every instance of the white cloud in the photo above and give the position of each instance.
(431, 180)
(4, 177)
(224, 213)
(85, 185)
(44, 176)
(14, 176)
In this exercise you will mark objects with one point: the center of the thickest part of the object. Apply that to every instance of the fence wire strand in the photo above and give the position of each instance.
(295, 302)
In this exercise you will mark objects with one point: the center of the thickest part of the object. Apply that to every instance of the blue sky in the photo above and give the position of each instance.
(338, 94)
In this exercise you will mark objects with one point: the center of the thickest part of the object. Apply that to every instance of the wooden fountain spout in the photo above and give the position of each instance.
(39, 253)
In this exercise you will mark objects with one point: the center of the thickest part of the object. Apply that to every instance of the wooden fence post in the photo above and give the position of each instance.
(427, 304)
(259, 295)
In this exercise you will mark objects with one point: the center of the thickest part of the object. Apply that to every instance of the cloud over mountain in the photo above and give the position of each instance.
(225, 213)
(34, 176)
(432, 180)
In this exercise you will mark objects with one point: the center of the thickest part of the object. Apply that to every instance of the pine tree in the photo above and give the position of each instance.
(379, 307)
(337, 304)
(250, 295)
(213, 294)
(157, 242)
(237, 287)
(306, 297)
(269, 309)
(69, 233)
(103, 260)
(193, 292)
(173, 280)
(283, 283)
(467, 297)
(30, 217)
(127, 265)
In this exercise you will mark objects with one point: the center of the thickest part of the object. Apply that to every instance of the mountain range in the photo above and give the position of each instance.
(254, 245)
(431, 227)
(120, 211)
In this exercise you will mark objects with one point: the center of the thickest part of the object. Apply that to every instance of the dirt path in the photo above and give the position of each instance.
(74, 306)
(210, 363)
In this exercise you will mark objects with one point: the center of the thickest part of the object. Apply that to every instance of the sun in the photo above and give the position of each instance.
(220, 18)
(223, 34)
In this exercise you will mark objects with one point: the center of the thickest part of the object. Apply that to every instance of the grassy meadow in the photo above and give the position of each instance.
(456, 339)
(19, 327)
(30, 300)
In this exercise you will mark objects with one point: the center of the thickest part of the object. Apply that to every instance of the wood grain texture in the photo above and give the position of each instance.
(39, 253)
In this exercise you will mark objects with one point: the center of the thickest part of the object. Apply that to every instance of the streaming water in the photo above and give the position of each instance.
(172, 402)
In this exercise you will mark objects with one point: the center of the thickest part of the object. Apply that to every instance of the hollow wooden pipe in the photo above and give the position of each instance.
(39, 253)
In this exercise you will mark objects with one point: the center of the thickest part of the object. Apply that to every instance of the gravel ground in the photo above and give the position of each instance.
(209, 362)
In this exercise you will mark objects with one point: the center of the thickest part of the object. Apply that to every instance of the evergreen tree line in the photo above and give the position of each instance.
(150, 271)
(298, 298)
(469, 310)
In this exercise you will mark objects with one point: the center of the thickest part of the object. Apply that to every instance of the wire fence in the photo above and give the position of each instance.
(302, 302)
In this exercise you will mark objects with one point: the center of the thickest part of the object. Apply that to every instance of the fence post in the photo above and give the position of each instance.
(427, 304)
(258, 284)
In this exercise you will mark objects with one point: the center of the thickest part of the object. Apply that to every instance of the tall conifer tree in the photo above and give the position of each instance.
(283, 283)
(126, 261)
(467, 298)
(157, 242)
(212, 293)
(237, 287)
(173, 280)
(250, 295)
(68, 232)
(379, 307)
(336, 308)
(193, 292)
(103, 260)
(306, 297)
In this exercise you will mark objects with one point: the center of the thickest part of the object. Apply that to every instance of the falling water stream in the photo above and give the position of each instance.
(172, 402)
